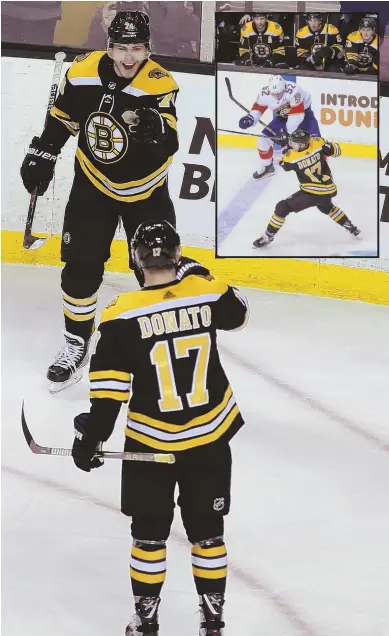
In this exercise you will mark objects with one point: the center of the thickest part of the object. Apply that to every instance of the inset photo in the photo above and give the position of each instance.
(297, 135)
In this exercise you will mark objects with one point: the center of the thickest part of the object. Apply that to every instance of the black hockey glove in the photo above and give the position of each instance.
(325, 53)
(85, 444)
(38, 166)
(350, 69)
(283, 142)
(364, 59)
(148, 127)
(188, 267)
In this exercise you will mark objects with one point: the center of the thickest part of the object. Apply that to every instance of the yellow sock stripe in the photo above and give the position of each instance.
(155, 555)
(110, 374)
(111, 395)
(79, 317)
(147, 578)
(339, 217)
(81, 302)
(278, 218)
(278, 227)
(334, 211)
(218, 551)
(210, 574)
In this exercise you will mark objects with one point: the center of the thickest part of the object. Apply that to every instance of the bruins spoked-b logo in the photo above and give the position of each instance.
(107, 140)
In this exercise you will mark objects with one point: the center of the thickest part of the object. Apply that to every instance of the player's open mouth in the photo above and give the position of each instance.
(128, 67)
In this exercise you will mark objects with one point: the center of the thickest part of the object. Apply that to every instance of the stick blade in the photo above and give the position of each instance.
(228, 84)
(31, 242)
(38, 450)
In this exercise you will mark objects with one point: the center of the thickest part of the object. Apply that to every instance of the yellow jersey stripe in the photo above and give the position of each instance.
(190, 443)
(173, 428)
(111, 395)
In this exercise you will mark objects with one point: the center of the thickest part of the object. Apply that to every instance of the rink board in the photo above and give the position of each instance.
(287, 275)
(24, 87)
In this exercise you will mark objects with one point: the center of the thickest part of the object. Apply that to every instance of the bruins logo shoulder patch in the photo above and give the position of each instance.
(82, 57)
(158, 73)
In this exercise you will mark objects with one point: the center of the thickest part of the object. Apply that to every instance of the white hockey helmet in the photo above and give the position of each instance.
(277, 86)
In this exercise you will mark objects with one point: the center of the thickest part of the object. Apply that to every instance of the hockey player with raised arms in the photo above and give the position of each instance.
(291, 106)
(160, 342)
(307, 157)
(121, 104)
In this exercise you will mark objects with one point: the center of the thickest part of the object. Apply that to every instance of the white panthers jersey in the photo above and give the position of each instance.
(295, 100)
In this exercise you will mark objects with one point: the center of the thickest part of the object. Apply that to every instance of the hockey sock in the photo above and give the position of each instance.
(79, 315)
(275, 224)
(337, 215)
(147, 567)
(209, 565)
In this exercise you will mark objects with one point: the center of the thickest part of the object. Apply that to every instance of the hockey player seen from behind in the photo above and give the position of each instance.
(307, 157)
(291, 106)
(121, 104)
(361, 54)
(160, 344)
(261, 43)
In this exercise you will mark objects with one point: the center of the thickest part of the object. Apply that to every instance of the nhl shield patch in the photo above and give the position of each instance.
(218, 504)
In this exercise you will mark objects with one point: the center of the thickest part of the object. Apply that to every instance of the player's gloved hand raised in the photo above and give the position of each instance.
(85, 444)
(246, 122)
(38, 166)
(149, 127)
(189, 266)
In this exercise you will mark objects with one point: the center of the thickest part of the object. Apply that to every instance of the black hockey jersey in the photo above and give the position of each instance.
(258, 47)
(93, 101)
(308, 42)
(164, 338)
(311, 167)
(361, 54)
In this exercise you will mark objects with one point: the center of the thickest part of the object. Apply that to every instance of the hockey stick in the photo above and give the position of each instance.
(30, 241)
(162, 458)
(230, 95)
(237, 132)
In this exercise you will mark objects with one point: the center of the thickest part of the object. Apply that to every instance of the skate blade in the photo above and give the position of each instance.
(57, 387)
(265, 176)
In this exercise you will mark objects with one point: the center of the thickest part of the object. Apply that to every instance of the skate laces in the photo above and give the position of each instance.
(69, 354)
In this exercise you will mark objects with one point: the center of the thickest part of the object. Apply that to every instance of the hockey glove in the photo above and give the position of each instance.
(325, 53)
(283, 142)
(350, 69)
(246, 122)
(148, 127)
(85, 444)
(38, 166)
(364, 60)
(188, 267)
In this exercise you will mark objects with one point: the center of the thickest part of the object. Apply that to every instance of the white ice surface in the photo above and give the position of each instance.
(307, 233)
(308, 531)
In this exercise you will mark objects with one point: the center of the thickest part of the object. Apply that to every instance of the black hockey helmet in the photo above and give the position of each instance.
(299, 138)
(368, 22)
(259, 14)
(155, 244)
(314, 16)
(129, 27)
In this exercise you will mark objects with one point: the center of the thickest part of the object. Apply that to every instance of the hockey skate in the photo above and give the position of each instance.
(263, 240)
(211, 614)
(265, 172)
(66, 369)
(145, 620)
(353, 229)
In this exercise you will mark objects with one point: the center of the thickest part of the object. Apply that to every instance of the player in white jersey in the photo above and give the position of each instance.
(291, 106)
